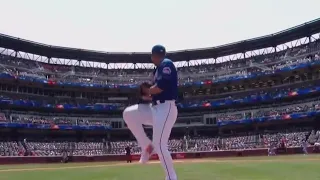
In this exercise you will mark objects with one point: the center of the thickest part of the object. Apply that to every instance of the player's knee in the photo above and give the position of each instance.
(129, 113)
(156, 147)
(125, 115)
(158, 144)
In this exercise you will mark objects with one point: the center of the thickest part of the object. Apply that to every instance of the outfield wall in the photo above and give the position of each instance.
(182, 155)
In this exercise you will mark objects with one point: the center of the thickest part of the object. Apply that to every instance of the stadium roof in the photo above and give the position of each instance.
(294, 33)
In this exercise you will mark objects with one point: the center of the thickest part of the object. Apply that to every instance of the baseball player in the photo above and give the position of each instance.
(128, 154)
(304, 146)
(161, 114)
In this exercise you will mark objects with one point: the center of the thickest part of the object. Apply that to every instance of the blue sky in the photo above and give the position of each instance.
(126, 26)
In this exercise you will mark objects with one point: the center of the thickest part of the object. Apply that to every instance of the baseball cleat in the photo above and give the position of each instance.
(146, 154)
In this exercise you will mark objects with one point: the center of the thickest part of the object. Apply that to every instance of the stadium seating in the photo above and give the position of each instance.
(290, 58)
(11, 148)
(292, 137)
(295, 109)
(57, 148)
(257, 88)
(28, 119)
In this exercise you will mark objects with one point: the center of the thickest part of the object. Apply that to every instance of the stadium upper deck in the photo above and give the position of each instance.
(270, 41)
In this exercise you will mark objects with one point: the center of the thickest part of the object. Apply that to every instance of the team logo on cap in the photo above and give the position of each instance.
(166, 70)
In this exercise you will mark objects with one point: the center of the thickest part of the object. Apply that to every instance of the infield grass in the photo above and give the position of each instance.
(296, 167)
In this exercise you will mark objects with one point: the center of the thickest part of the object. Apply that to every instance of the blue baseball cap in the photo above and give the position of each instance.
(158, 50)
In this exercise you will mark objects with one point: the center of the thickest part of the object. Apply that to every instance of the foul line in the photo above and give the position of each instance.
(157, 162)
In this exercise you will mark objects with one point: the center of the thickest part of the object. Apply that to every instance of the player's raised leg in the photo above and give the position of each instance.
(135, 116)
(165, 116)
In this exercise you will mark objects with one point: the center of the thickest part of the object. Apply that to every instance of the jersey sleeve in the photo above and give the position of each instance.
(165, 75)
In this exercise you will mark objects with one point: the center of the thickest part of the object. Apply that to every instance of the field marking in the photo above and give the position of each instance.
(157, 162)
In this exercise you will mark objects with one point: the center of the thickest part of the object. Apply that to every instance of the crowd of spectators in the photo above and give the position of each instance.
(242, 142)
(58, 72)
(264, 139)
(61, 73)
(266, 63)
(269, 112)
(292, 139)
(202, 144)
(304, 106)
(58, 148)
(227, 117)
(86, 122)
(19, 66)
(11, 148)
(37, 119)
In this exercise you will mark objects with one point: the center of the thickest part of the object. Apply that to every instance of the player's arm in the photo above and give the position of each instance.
(163, 80)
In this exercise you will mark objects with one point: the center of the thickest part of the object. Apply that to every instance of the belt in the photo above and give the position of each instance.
(154, 103)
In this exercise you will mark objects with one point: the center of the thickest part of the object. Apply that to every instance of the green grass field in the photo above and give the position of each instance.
(297, 167)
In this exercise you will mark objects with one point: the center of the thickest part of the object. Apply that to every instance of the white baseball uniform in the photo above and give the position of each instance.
(161, 115)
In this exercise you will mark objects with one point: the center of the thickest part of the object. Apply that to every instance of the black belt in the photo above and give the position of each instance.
(154, 103)
(141, 101)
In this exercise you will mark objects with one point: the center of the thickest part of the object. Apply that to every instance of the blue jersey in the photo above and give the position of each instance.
(166, 78)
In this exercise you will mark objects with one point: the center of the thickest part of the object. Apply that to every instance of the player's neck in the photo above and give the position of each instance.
(158, 64)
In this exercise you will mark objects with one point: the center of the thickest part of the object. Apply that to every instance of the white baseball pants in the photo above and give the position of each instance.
(162, 117)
